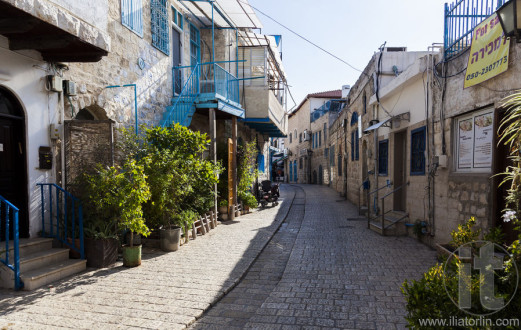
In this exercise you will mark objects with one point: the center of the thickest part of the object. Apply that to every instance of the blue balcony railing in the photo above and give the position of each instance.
(9, 213)
(461, 17)
(62, 217)
(201, 83)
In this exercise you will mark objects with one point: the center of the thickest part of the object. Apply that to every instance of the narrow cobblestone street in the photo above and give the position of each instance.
(322, 268)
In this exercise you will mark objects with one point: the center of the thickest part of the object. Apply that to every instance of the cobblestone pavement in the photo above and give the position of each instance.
(168, 291)
(323, 269)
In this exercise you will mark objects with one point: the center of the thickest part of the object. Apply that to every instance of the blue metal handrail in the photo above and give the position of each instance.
(184, 102)
(461, 17)
(6, 210)
(67, 215)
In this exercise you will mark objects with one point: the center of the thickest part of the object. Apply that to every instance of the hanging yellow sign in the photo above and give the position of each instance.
(488, 52)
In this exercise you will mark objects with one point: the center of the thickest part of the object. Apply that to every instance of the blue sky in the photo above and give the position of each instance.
(352, 30)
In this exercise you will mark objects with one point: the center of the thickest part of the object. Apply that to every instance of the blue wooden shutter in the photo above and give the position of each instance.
(260, 161)
(383, 157)
(132, 15)
(418, 151)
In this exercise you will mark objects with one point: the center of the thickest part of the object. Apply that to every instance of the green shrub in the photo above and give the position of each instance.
(465, 233)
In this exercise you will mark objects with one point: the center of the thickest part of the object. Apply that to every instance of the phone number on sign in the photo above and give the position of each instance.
(487, 69)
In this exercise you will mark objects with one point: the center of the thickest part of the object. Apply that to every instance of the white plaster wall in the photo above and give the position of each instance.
(24, 76)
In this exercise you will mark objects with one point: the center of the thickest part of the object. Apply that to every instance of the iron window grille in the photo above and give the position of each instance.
(159, 24)
(418, 151)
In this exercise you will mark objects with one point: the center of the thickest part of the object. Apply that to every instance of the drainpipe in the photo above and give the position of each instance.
(135, 100)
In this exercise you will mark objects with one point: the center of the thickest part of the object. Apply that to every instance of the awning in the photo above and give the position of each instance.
(227, 13)
(264, 126)
(376, 126)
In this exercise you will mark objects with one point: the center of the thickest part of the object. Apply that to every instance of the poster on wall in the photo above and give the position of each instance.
(475, 141)
(483, 133)
(466, 142)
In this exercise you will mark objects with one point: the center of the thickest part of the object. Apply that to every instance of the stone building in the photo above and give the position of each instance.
(298, 166)
(71, 73)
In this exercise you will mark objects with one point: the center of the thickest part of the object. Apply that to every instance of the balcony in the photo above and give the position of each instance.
(203, 86)
(263, 84)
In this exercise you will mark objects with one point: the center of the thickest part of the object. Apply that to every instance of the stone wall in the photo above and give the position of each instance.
(120, 67)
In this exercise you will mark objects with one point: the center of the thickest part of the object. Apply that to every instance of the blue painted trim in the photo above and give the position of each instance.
(135, 101)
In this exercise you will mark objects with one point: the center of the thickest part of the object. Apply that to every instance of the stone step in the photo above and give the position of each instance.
(36, 278)
(41, 258)
(394, 223)
(27, 246)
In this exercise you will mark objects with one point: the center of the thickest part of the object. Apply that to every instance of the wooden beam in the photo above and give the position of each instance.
(17, 25)
(41, 42)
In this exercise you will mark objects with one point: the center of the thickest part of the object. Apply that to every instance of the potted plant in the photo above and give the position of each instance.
(101, 243)
(170, 233)
(248, 201)
(223, 209)
(117, 193)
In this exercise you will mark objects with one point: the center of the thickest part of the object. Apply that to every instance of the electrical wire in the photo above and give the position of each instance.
(304, 38)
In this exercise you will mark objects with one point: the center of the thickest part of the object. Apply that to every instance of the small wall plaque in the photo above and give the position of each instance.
(141, 63)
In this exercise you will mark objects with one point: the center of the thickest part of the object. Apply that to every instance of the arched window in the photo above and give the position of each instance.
(354, 118)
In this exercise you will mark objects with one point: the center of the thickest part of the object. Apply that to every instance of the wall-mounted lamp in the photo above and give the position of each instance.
(510, 18)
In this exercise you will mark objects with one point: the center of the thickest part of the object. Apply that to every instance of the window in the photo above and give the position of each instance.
(290, 137)
(326, 152)
(195, 45)
(357, 145)
(364, 100)
(177, 17)
(474, 141)
(313, 141)
(300, 138)
(352, 146)
(354, 118)
(300, 163)
(339, 164)
(418, 151)
(295, 133)
(132, 16)
(320, 138)
(325, 132)
(332, 155)
(383, 156)
(159, 24)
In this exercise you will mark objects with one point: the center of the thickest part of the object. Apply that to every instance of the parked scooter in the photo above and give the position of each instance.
(268, 193)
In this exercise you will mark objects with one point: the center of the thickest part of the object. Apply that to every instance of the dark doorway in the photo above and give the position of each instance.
(315, 177)
(400, 156)
(176, 60)
(320, 175)
(13, 168)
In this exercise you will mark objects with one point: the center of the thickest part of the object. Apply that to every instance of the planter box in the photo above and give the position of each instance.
(101, 253)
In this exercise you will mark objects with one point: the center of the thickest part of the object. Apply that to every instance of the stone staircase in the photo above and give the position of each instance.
(394, 224)
(40, 264)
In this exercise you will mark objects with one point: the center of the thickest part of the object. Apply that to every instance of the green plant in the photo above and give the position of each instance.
(223, 202)
(100, 229)
(495, 235)
(117, 193)
(465, 233)
(248, 199)
(418, 228)
(246, 171)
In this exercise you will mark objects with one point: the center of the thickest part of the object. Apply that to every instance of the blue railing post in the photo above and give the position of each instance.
(17, 281)
(11, 210)
(75, 221)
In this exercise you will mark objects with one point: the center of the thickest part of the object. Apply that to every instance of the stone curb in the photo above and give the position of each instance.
(280, 217)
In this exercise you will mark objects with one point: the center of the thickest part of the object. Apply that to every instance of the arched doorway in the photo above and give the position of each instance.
(320, 175)
(13, 166)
